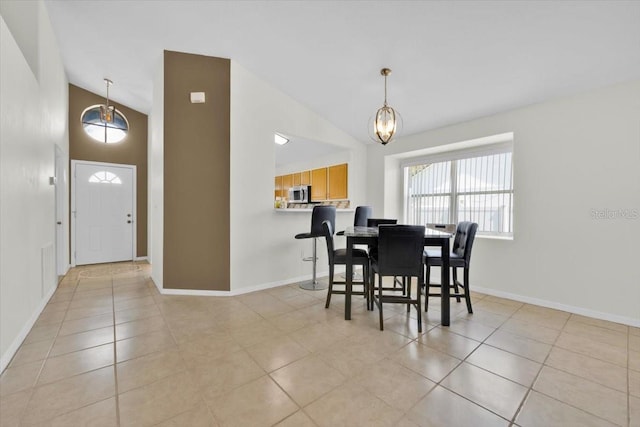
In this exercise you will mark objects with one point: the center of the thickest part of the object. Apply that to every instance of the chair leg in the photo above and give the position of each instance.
(467, 293)
(372, 291)
(419, 305)
(330, 289)
(365, 280)
(407, 286)
(454, 274)
(380, 301)
(426, 289)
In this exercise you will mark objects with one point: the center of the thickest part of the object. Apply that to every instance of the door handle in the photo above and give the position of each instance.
(129, 222)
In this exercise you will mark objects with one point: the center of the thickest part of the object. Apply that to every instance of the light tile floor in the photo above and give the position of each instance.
(109, 350)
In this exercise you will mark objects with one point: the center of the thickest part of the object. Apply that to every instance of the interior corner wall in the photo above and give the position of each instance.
(131, 151)
(196, 173)
(576, 203)
(33, 120)
(156, 178)
(264, 252)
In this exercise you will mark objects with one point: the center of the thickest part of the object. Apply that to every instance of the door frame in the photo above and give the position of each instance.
(61, 174)
(72, 213)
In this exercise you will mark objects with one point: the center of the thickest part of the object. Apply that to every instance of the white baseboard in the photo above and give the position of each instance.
(559, 306)
(241, 291)
(17, 342)
(140, 258)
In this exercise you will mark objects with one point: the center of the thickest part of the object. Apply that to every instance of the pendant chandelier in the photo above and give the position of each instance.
(387, 121)
(107, 111)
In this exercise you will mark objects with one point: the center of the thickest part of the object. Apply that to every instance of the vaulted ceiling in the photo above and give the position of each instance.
(451, 60)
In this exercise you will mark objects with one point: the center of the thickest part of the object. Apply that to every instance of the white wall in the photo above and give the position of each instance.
(155, 224)
(263, 248)
(33, 119)
(571, 156)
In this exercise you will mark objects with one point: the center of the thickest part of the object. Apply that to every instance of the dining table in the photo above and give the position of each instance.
(369, 236)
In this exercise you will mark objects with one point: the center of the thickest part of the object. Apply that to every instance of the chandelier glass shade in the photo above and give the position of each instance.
(385, 123)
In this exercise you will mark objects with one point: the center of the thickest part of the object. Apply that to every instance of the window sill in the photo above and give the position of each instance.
(490, 237)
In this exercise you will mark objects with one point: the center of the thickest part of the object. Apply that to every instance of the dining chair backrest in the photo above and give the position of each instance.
(362, 215)
(327, 231)
(374, 222)
(319, 215)
(400, 249)
(463, 242)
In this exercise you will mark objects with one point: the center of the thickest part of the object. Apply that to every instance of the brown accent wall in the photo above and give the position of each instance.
(196, 172)
(131, 151)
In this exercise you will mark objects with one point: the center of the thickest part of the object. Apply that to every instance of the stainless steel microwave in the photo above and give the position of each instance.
(300, 194)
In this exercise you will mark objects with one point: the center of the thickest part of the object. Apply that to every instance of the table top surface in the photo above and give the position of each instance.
(373, 232)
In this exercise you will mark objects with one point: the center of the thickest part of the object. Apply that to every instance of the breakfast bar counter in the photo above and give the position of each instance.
(299, 210)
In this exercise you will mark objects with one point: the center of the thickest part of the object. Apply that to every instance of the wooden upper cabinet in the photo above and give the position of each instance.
(305, 178)
(319, 184)
(287, 183)
(278, 186)
(329, 183)
(338, 182)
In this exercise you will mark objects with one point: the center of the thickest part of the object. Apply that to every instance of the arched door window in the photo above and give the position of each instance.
(105, 177)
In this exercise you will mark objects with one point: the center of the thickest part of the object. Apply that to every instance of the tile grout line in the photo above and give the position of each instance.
(560, 401)
(186, 369)
(115, 352)
(542, 365)
(44, 361)
(438, 383)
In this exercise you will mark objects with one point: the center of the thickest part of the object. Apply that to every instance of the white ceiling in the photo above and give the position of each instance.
(451, 61)
(300, 149)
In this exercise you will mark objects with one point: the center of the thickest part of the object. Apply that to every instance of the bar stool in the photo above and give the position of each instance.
(318, 216)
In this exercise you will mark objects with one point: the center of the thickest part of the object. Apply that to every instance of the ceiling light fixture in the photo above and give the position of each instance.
(387, 121)
(107, 111)
(279, 139)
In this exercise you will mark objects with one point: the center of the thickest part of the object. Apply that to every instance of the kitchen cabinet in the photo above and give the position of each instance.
(278, 187)
(328, 183)
(319, 184)
(287, 183)
(337, 182)
(305, 178)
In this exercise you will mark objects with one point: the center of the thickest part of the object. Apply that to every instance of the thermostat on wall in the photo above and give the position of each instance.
(197, 97)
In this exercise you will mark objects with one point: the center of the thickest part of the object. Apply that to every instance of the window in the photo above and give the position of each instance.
(105, 177)
(109, 133)
(474, 187)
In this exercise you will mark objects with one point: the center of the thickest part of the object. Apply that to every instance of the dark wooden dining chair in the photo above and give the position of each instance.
(375, 222)
(338, 257)
(373, 250)
(460, 257)
(400, 254)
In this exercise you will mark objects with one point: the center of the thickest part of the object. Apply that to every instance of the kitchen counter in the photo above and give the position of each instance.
(299, 210)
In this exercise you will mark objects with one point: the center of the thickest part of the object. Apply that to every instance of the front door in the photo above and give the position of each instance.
(103, 212)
